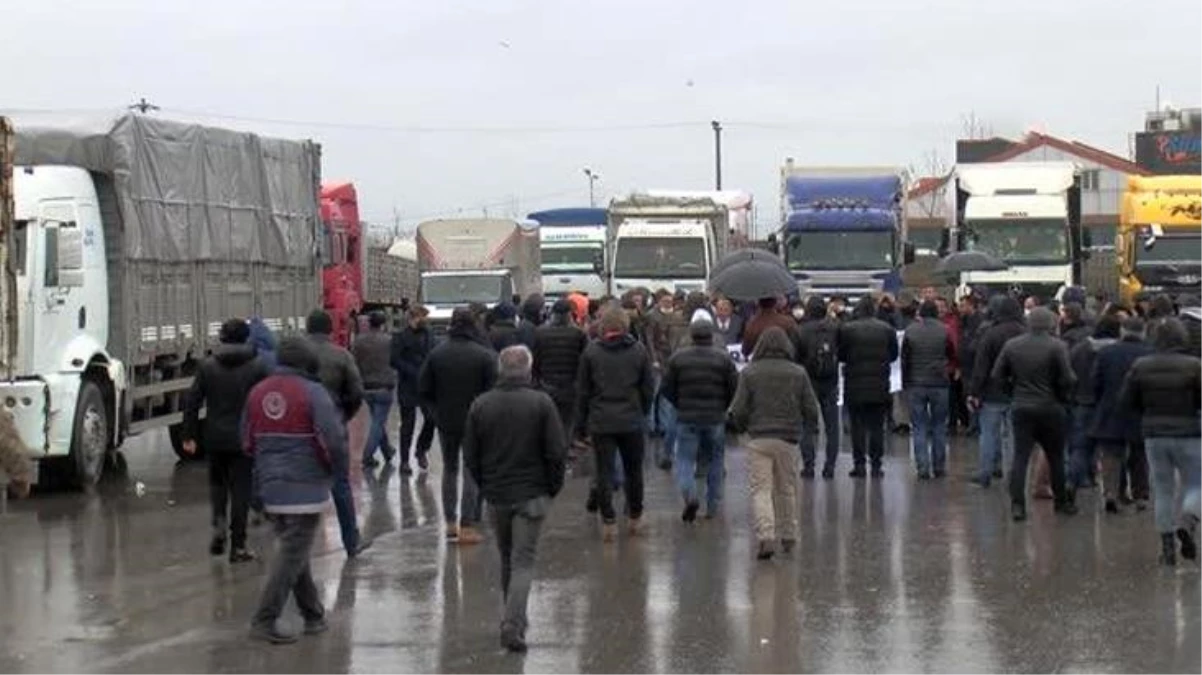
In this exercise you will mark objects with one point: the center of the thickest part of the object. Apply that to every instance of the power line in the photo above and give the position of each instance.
(469, 208)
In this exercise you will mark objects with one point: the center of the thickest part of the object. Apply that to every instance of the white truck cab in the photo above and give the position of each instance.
(674, 255)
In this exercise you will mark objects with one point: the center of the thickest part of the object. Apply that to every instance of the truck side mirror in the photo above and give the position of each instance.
(907, 252)
(773, 244)
(945, 243)
(64, 255)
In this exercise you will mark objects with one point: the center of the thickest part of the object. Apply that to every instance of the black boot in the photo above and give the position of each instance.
(1188, 534)
(1168, 549)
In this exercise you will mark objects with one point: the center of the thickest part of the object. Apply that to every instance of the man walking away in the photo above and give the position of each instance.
(557, 349)
(340, 376)
(867, 350)
(1163, 389)
(531, 316)
(1082, 456)
(767, 316)
(372, 352)
(221, 384)
(1035, 369)
(926, 350)
(1116, 428)
(615, 395)
(774, 404)
(514, 448)
(457, 371)
(700, 383)
(503, 332)
(667, 326)
(410, 348)
(294, 432)
(818, 337)
(987, 394)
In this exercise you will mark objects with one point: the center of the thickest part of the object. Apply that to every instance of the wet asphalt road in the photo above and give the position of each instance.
(890, 575)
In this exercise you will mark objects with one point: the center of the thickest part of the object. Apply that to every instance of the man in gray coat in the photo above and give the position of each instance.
(926, 350)
(372, 352)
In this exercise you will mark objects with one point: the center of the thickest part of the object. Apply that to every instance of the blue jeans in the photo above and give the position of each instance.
(379, 404)
(1082, 449)
(996, 440)
(828, 403)
(928, 423)
(667, 422)
(1169, 458)
(708, 440)
(344, 506)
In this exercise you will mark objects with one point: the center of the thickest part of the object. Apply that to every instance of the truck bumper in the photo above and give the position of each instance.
(43, 411)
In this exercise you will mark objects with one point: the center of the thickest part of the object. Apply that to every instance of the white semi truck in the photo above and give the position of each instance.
(476, 260)
(130, 240)
(573, 252)
(667, 240)
(1026, 214)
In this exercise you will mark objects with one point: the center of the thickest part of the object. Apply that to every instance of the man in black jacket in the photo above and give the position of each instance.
(1115, 427)
(456, 372)
(557, 349)
(371, 350)
(503, 331)
(531, 318)
(1164, 390)
(818, 353)
(410, 348)
(614, 396)
(1082, 459)
(987, 395)
(222, 384)
(700, 383)
(514, 448)
(867, 350)
(1034, 367)
(926, 350)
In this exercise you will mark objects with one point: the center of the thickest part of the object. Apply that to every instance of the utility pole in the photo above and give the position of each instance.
(717, 127)
(143, 106)
(592, 178)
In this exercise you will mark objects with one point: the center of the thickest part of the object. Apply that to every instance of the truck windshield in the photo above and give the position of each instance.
(570, 257)
(660, 258)
(840, 250)
(1018, 242)
(452, 290)
(1170, 249)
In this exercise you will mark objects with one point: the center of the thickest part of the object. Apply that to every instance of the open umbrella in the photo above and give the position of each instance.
(751, 274)
(969, 261)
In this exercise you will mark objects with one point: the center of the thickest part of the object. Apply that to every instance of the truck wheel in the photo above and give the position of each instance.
(176, 433)
(90, 437)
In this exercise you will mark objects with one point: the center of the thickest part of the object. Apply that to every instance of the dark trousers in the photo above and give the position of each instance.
(1136, 475)
(230, 486)
(828, 401)
(1047, 427)
(631, 446)
(469, 515)
(958, 412)
(290, 573)
(408, 423)
(867, 433)
(567, 417)
(517, 527)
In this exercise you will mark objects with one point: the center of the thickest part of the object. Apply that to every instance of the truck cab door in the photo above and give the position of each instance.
(59, 314)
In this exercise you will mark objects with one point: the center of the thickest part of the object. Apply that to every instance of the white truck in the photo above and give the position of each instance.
(573, 252)
(666, 240)
(1026, 214)
(132, 239)
(476, 260)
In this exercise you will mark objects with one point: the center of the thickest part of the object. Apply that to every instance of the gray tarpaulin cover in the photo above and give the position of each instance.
(190, 192)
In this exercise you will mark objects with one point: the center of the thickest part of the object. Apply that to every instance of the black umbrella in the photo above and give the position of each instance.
(751, 274)
(969, 261)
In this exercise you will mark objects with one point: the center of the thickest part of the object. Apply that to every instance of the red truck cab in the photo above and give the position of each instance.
(342, 267)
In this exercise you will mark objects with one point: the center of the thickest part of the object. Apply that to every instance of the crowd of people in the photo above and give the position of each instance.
(1110, 395)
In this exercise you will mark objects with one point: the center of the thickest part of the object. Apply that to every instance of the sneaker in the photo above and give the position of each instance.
(389, 453)
(452, 532)
(924, 475)
(1189, 544)
(590, 504)
(828, 473)
(217, 546)
(370, 462)
(512, 640)
(997, 473)
(787, 545)
(690, 512)
(423, 462)
(364, 544)
(405, 469)
(979, 481)
(1112, 506)
(1018, 512)
(766, 550)
(807, 472)
(857, 472)
(316, 626)
(469, 535)
(241, 555)
(272, 635)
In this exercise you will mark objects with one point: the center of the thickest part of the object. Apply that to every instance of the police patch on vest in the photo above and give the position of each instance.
(274, 405)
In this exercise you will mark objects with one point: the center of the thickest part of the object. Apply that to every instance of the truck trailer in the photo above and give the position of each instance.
(132, 240)
(1026, 214)
(1158, 248)
(476, 260)
(843, 229)
(572, 243)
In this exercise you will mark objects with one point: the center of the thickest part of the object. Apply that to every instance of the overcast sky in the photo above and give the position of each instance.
(525, 94)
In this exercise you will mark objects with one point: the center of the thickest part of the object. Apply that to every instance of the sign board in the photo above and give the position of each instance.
(1169, 152)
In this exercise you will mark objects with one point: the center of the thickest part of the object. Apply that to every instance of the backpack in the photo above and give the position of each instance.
(824, 362)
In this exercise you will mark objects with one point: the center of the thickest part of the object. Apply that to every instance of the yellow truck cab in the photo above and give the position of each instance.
(1159, 244)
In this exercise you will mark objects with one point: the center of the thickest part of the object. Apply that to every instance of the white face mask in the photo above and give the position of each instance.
(799, 313)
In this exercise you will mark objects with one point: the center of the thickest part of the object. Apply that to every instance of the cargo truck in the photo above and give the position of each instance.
(390, 277)
(843, 229)
(476, 260)
(665, 240)
(572, 243)
(1025, 214)
(1159, 243)
(132, 239)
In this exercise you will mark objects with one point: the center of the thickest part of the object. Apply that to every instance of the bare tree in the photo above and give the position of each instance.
(932, 165)
(974, 128)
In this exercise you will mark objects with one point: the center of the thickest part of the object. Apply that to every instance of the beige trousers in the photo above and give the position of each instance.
(773, 471)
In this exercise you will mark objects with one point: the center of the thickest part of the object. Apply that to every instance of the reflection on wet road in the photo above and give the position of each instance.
(890, 575)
